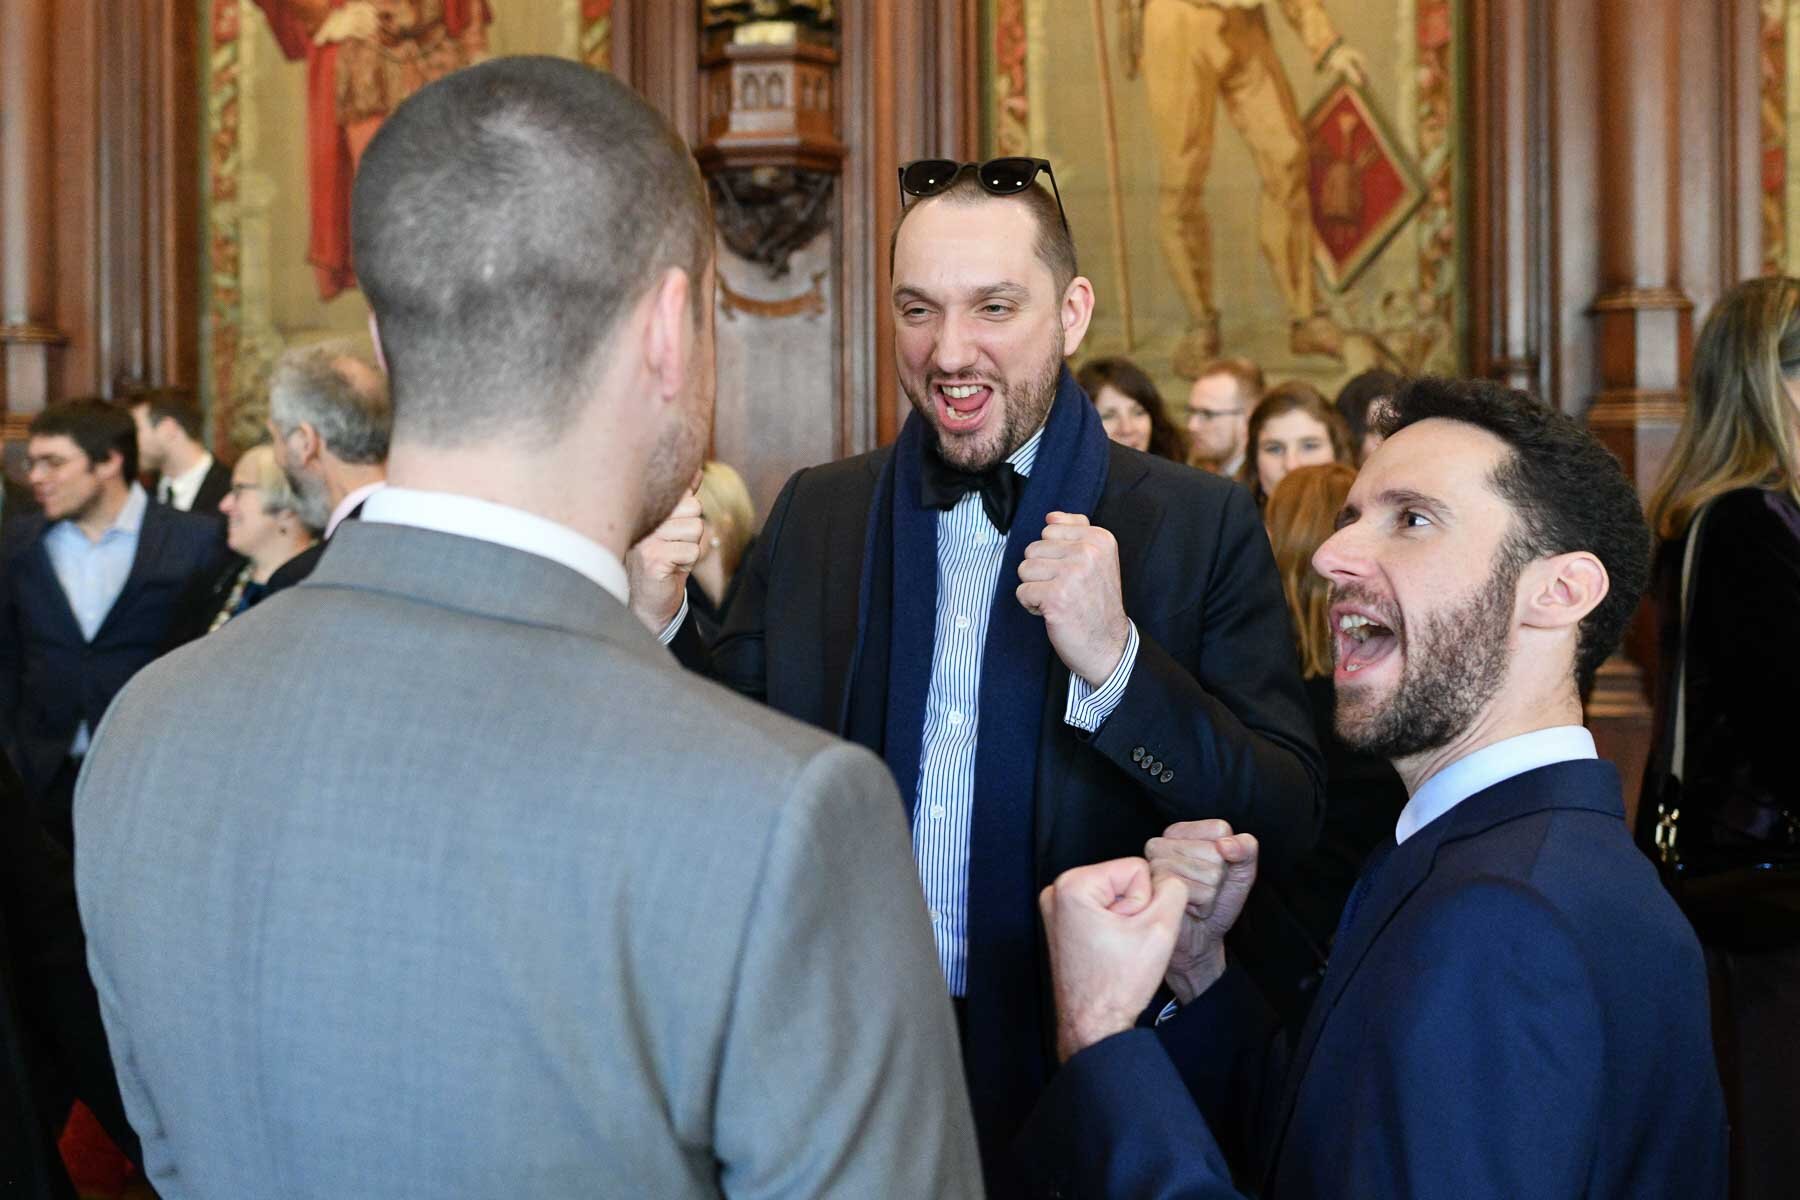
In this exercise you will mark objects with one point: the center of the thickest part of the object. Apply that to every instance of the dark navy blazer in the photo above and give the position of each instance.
(51, 678)
(1517, 1009)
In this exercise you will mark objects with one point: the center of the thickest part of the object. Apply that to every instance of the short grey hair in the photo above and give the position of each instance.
(340, 393)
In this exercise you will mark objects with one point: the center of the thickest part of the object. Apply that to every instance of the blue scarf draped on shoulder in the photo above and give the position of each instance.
(1009, 1048)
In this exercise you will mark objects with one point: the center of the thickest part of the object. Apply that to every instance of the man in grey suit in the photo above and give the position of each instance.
(445, 881)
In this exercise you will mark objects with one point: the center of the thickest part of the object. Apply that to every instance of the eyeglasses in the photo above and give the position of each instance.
(1213, 414)
(998, 177)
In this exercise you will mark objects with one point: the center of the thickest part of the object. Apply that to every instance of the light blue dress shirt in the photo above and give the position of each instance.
(1488, 766)
(970, 551)
(93, 573)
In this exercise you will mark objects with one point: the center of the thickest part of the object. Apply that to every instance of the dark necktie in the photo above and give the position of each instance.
(942, 485)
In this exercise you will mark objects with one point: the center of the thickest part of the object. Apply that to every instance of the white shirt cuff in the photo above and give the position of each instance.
(1089, 706)
(674, 626)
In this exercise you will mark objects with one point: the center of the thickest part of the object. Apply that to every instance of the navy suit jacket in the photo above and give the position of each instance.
(1517, 1009)
(51, 678)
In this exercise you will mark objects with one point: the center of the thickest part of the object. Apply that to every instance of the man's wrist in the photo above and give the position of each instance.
(1079, 1030)
(1189, 980)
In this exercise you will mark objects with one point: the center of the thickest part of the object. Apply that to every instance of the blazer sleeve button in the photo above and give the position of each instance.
(1137, 754)
(1168, 777)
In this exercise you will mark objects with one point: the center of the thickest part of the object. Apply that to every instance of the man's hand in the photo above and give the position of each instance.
(658, 566)
(357, 19)
(1216, 869)
(1348, 65)
(1111, 928)
(1071, 579)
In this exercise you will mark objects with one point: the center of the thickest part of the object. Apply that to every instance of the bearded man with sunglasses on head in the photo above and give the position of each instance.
(1058, 644)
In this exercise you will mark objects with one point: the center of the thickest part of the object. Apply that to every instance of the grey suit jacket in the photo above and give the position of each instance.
(443, 881)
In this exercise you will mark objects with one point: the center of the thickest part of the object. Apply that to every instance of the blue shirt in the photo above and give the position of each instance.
(969, 554)
(1488, 766)
(93, 573)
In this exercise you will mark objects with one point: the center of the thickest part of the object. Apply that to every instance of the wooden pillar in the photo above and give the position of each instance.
(1643, 319)
(29, 338)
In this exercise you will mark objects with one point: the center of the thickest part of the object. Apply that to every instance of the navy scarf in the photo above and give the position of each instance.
(1007, 1047)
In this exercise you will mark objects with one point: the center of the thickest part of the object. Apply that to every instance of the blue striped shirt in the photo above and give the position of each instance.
(969, 553)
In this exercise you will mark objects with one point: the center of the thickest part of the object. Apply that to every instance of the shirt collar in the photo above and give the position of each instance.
(191, 479)
(1025, 456)
(348, 504)
(1488, 766)
(503, 525)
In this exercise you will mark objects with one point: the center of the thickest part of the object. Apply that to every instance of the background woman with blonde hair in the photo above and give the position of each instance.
(1732, 487)
(1363, 794)
(725, 540)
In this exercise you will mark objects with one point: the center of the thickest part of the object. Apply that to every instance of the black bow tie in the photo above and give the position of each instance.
(942, 485)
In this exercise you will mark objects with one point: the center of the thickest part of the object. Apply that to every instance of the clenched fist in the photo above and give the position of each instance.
(1070, 577)
(1217, 868)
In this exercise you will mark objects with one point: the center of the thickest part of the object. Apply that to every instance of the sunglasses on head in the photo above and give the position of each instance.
(998, 177)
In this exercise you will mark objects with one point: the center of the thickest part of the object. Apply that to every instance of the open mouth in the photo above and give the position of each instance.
(961, 406)
(1362, 642)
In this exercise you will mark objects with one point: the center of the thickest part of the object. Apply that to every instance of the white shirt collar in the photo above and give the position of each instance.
(503, 525)
(348, 504)
(185, 486)
(1490, 765)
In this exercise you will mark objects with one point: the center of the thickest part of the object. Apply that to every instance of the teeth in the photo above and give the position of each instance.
(1353, 620)
(963, 391)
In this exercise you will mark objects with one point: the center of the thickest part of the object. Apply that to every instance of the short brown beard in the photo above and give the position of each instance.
(1027, 406)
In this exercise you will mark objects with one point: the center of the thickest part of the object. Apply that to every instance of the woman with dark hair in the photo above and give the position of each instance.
(1363, 793)
(1727, 586)
(1131, 409)
(1359, 402)
(1292, 426)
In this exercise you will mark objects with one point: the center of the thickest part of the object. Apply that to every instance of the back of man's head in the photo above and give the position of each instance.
(340, 393)
(170, 404)
(1567, 491)
(506, 218)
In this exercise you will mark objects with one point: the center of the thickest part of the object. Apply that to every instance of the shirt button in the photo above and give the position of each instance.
(962, 622)
(937, 812)
(956, 717)
(937, 918)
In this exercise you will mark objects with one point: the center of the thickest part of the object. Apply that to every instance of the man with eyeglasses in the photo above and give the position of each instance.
(1218, 414)
(88, 591)
(1058, 644)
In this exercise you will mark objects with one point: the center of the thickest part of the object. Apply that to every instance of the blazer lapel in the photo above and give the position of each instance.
(151, 536)
(841, 614)
(39, 578)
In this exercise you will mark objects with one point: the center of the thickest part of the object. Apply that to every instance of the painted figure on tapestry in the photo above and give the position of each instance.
(1193, 54)
(363, 57)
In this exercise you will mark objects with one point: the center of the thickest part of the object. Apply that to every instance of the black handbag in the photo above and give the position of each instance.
(1728, 855)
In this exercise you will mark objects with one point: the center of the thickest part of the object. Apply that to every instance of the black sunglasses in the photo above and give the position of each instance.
(997, 176)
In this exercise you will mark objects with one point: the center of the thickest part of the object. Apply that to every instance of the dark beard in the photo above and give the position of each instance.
(1454, 665)
(1027, 404)
(671, 467)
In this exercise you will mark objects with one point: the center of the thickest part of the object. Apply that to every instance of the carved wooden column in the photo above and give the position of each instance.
(1643, 319)
(29, 338)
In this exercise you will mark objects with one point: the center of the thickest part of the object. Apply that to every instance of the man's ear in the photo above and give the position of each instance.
(308, 445)
(1077, 311)
(1562, 590)
(668, 332)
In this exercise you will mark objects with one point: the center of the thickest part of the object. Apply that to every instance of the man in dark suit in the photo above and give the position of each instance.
(87, 591)
(330, 419)
(1514, 1006)
(188, 477)
(1059, 645)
